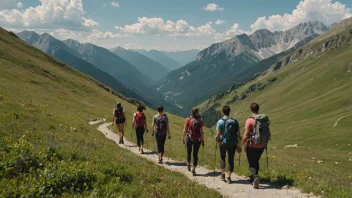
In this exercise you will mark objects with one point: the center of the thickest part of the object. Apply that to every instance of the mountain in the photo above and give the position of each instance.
(269, 43)
(217, 65)
(148, 67)
(307, 95)
(159, 57)
(183, 57)
(59, 50)
(47, 147)
(120, 69)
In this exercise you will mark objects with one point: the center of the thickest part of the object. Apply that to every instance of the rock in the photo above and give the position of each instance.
(313, 158)
(320, 161)
(291, 146)
(286, 187)
(336, 163)
(350, 159)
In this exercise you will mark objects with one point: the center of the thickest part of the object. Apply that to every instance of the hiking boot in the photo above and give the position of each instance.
(142, 152)
(228, 180)
(194, 173)
(223, 177)
(188, 167)
(256, 183)
(251, 180)
(122, 142)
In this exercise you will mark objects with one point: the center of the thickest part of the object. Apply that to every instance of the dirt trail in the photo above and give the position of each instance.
(239, 187)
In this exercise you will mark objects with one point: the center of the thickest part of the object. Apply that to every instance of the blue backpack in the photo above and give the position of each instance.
(232, 132)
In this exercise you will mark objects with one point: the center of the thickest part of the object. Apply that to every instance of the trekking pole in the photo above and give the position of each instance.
(267, 161)
(170, 145)
(239, 162)
(216, 147)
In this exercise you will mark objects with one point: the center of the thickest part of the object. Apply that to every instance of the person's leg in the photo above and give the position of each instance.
(231, 150)
(163, 140)
(257, 153)
(222, 161)
(142, 137)
(138, 131)
(122, 130)
(196, 146)
(158, 142)
(251, 161)
(189, 145)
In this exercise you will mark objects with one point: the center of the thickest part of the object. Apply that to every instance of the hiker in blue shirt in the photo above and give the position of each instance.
(227, 136)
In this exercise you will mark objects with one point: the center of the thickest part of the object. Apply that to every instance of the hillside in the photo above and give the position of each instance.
(307, 95)
(159, 57)
(220, 64)
(47, 147)
(59, 50)
(183, 57)
(147, 66)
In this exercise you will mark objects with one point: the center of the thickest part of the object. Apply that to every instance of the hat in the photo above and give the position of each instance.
(118, 103)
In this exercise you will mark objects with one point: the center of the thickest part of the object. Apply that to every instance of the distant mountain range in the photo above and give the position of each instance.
(183, 57)
(159, 57)
(59, 50)
(216, 65)
(144, 64)
(102, 65)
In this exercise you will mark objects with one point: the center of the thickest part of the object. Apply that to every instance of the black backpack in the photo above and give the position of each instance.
(120, 118)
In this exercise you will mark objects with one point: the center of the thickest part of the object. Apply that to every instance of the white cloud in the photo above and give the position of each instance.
(219, 22)
(324, 11)
(19, 5)
(96, 34)
(233, 31)
(49, 14)
(213, 7)
(115, 4)
(157, 26)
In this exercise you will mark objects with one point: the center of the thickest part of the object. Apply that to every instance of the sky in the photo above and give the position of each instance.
(169, 25)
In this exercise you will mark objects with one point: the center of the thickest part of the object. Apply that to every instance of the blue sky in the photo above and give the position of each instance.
(164, 24)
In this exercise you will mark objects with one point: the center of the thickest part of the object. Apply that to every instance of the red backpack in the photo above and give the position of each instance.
(194, 127)
(140, 119)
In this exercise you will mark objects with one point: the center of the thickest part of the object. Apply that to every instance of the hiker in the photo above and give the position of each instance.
(140, 125)
(227, 136)
(193, 127)
(161, 128)
(256, 137)
(119, 119)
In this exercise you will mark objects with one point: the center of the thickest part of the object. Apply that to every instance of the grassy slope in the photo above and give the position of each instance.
(304, 104)
(41, 100)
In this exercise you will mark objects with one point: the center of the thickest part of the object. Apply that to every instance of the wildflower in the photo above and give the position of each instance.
(161, 178)
(188, 182)
(73, 167)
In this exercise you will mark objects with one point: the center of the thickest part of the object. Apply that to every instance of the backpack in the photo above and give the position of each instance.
(231, 134)
(261, 133)
(161, 125)
(120, 118)
(194, 127)
(139, 119)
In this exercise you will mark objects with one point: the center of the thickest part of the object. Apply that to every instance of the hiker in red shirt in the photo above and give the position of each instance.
(193, 128)
(255, 138)
(140, 124)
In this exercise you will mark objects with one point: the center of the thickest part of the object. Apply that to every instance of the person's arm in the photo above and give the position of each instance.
(184, 131)
(145, 123)
(153, 124)
(202, 135)
(168, 127)
(246, 133)
(125, 117)
(113, 116)
(218, 131)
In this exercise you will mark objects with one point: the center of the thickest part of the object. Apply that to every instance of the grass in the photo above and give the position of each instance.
(309, 104)
(47, 147)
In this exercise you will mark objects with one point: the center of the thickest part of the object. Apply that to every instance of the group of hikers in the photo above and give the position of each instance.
(254, 140)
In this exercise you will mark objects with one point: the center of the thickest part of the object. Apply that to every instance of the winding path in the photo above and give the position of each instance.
(239, 187)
